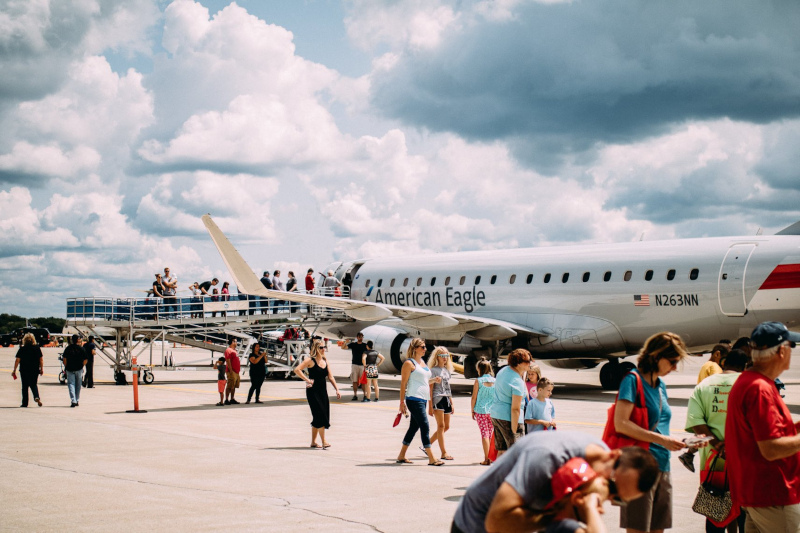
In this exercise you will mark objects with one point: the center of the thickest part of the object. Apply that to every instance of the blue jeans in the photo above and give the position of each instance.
(74, 384)
(419, 421)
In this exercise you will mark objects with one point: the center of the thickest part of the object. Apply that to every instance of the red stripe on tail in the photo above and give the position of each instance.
(783, 277)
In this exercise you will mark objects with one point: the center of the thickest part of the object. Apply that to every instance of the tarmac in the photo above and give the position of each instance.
(188, 465)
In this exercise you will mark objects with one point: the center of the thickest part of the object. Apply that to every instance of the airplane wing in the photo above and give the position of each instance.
(404, 317)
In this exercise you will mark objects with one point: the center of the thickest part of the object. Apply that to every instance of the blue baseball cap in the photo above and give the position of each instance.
(769, 334)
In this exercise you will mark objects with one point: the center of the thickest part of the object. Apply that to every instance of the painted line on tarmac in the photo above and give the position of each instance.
(348, 403)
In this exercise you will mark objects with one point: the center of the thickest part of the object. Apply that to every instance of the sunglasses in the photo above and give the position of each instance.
(444, 354)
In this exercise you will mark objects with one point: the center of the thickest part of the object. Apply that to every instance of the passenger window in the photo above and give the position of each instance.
(367, 283)
(565, 277)
(462, 280)
(512, 279)
(380, 282)
(391, 283)
(405, 282)
(586, 277)
(494, 278)
(628, 275)
(607, 276)
(419, 282)
(529, 279)
(547, 278)
(671, 274)
(447, 281)
(477, 280)
(694, 273)
(433, 281)
(648, 275)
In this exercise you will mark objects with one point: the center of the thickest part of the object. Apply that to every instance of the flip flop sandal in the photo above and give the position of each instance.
(486, 463)
(437, 463)
(325, 446)
(220, 404)
(315, 446)
(447, 457)
(403, 462)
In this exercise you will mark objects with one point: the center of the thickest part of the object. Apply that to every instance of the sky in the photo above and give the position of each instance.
(316, 131)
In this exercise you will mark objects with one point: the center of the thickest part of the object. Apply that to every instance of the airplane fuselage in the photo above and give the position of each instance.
(601, 299)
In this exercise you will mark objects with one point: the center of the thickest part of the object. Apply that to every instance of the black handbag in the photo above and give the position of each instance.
(712, 501)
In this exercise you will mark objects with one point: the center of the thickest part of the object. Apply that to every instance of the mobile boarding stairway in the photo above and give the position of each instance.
(132, 326)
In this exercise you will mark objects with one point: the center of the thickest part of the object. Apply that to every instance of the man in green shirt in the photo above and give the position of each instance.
(708, 409)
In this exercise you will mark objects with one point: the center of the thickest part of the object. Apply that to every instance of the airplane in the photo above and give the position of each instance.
(571, 306)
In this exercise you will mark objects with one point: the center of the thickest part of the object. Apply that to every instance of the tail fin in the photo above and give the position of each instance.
(244, 277)
(794, 229)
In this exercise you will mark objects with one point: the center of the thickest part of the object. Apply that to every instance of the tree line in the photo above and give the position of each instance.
(9, 322)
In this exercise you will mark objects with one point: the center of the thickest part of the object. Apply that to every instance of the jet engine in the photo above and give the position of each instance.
(392, 343)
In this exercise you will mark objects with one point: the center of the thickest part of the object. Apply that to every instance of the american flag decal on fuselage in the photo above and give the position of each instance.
(641, 300)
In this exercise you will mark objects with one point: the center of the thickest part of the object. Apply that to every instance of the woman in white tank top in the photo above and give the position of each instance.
(414, 397)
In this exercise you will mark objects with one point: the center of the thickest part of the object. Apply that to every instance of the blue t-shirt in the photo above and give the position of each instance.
(508, 384)
(657, 410)
(539, 410)
(483, 403)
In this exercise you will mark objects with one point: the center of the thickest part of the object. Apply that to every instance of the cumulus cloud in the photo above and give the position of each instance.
(240, 204)
(250, 103)
(39, 39)
(22, 231)
(419, 24)
(96, 114)
(556, 79)
(27, 161)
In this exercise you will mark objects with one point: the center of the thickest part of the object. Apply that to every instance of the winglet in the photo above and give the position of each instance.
(242, 274)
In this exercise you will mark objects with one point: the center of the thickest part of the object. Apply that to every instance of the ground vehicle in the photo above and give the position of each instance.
(15, 337)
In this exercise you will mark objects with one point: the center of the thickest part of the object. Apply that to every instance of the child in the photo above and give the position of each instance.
(540, 413)
(482, 398)
(221, 382)
(578, 497)
(532, 377)
(441, 405)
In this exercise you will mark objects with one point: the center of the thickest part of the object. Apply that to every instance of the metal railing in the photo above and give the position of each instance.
(196, 308)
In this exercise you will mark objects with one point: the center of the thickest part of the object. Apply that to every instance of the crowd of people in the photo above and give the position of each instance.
(168, 305)
(557, 481)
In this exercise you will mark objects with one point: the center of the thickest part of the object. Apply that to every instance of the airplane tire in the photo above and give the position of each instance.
(611, 374)
(148, 378)
(607, 376)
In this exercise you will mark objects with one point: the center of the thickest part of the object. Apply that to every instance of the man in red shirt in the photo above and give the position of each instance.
(761, 438)
(310, 282)
(232, 372)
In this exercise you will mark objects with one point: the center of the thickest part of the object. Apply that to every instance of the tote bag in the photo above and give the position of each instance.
(639, 417)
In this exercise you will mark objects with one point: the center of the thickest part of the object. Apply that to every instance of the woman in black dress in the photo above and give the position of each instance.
(258, 372)
(317, 391)
(31, 366)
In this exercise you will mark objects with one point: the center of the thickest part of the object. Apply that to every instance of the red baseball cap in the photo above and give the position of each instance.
(572, 475)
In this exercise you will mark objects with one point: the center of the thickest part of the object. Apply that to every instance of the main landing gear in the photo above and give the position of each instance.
(612, 373)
